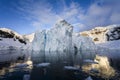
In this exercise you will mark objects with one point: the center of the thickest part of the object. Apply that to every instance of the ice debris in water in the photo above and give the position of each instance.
(42, 64)
(21, 65)
(89, 78)
(93, 70)
(90, 61)
(71, 68)
(26, 77)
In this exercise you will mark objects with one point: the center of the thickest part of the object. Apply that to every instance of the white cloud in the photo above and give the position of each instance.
(95, 15)
(115, 17)
(78, 27)
(101, 14)
(43, 14)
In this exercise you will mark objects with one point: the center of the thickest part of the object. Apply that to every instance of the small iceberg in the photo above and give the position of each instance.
(43, 65)
(89, 78)
(21, 65)
(94, 70)
(26, 77)
(90, 61)
(71, 68)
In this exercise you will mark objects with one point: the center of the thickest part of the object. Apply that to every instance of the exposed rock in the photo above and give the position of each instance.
(103, 34)
(7, 33)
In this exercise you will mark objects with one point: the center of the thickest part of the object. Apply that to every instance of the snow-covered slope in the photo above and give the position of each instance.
(107, 40)
(103, 34)
(6, 43)
(29, 37)
(10, 39)
(7, 33)
(111, 44)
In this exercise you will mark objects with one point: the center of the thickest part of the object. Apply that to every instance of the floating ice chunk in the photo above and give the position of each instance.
(93, 70)
(21, 65)
(90, 61)
(71, 68)
(26, 77)
(43, 65)
(89, 78)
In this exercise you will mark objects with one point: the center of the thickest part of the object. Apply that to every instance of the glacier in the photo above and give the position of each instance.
(38, 43)
(84, 45)
(56, 39)
(59, 37)
(61, 42)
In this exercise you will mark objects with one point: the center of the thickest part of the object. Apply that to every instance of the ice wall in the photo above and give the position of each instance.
(61, 38)
(38, 43)
(83, 48)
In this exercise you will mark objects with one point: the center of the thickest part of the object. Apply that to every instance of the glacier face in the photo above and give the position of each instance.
(62, 39)
(84, 46)
(59, 38)
(38, 43)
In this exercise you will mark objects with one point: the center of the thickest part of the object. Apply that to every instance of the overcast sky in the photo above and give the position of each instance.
(27, 16)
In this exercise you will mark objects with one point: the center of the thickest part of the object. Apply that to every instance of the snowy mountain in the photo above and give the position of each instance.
(10, 39)
(107, 40)
(7, 33)
(103, 34)
(29, 37)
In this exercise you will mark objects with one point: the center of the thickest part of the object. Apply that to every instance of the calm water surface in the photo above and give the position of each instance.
(27, 65)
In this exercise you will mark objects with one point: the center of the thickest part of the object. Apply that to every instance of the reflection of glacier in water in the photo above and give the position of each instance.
(70, 58)
(49, 66)
(13, 55)
(70, 66)
(62, 66)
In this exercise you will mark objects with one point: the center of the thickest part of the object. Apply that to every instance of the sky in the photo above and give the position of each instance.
(27, 16)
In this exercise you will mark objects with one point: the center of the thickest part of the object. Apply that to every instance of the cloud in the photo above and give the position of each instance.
(95, 15)
(44, 14)
(78, 27)
(101, 13)
(40, 13)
